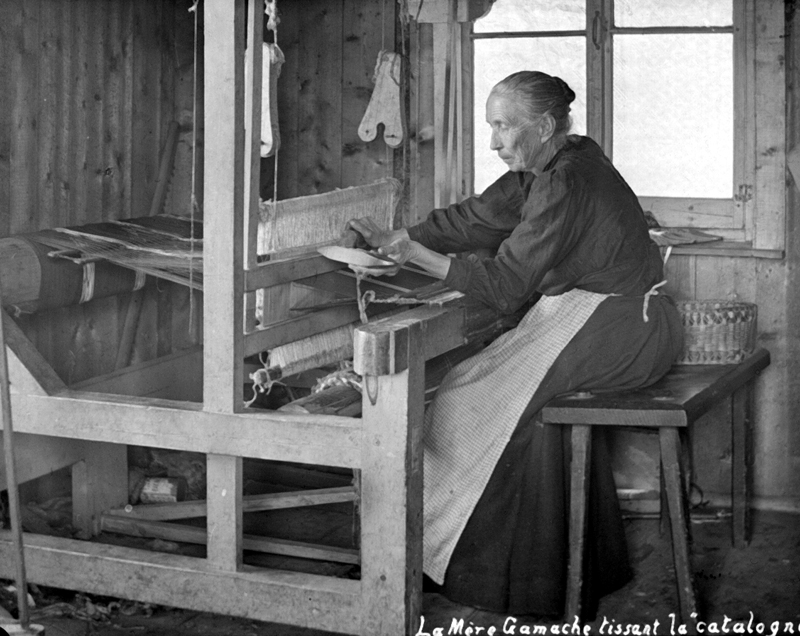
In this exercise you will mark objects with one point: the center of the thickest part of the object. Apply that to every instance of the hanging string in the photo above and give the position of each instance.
(652, 292)
(193, 204)
(383, 25)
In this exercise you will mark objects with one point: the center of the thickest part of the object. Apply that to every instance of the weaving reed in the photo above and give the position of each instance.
(305, 223)
(717, 331)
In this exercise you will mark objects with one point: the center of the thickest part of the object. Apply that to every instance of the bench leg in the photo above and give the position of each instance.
(671, 468)
(579, 496)
(740, 422)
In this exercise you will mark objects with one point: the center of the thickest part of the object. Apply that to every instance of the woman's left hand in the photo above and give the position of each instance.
(400, 251)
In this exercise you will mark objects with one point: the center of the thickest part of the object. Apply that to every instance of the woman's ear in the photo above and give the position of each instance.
(547, 127)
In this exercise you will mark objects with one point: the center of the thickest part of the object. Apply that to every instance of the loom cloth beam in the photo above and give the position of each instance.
(33, 281)
(117, 255)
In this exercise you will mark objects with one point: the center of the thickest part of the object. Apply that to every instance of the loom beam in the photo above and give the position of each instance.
(32, 281)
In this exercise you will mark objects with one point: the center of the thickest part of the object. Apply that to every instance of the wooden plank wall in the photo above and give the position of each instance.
(331, 47)
(89, 90)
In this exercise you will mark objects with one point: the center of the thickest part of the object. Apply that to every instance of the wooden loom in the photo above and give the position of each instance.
(88, 430)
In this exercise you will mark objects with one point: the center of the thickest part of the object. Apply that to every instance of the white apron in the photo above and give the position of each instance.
(476, 410)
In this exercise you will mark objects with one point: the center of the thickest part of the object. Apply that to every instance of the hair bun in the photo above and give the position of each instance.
(566, 91)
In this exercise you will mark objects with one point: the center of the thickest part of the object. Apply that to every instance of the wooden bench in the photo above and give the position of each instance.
(672, 404)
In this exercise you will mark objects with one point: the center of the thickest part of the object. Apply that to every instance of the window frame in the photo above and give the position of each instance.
(754, 215)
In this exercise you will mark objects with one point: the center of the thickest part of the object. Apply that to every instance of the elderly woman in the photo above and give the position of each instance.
(564, 224)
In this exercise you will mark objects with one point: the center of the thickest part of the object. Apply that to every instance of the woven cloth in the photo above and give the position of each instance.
(477, 408)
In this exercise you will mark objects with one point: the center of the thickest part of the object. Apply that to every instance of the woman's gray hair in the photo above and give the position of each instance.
(537, 94)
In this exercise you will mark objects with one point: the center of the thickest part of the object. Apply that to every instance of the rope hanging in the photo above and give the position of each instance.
(369, 297)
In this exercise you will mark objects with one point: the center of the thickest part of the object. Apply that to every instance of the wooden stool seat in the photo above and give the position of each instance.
(673, 403)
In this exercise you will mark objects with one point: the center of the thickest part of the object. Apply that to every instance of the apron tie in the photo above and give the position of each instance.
(653, 292)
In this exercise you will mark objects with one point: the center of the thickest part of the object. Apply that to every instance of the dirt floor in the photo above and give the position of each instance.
(738, 591)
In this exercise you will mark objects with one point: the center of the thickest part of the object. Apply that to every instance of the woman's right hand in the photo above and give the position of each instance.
(372, 233)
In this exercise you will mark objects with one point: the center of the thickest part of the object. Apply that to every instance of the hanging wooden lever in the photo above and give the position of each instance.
(385, 105)
(273, 59)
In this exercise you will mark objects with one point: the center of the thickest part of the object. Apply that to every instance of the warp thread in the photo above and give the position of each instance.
(344, 376)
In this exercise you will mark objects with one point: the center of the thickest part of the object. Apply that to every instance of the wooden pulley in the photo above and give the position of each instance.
(385, 104)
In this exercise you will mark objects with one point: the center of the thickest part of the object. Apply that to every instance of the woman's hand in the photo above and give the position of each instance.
(367, 228)
(400, 251)
(373, 234)
(397, 245)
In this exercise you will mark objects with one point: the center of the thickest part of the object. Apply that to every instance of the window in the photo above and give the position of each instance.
(668, 89)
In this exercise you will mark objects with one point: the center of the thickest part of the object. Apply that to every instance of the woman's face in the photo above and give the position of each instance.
(517, 142)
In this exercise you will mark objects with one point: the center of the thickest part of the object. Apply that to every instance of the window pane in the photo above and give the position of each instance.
(533, 15)
(673, 114)
(649, 13)
(496, 59)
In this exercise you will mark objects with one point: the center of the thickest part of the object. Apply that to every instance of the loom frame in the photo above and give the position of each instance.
(89, 431)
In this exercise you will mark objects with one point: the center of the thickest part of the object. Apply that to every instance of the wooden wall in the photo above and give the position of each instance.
(331, 47)
(89, 89)
(89, 92)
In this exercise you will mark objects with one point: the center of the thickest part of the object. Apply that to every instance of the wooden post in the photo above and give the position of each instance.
(252, 148)
(393, 366)
(223, 197)
(679, 521)
(99, 483)
(224, 501)
(441, 49)
(741, 402)
(581, 436)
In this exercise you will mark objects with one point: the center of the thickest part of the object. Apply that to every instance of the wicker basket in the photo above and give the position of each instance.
(717, 331)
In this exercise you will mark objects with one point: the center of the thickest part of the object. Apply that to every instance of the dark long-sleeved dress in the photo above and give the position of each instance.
(576, 226)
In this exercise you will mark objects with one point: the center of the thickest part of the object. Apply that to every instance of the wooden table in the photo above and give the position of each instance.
(672, 404)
